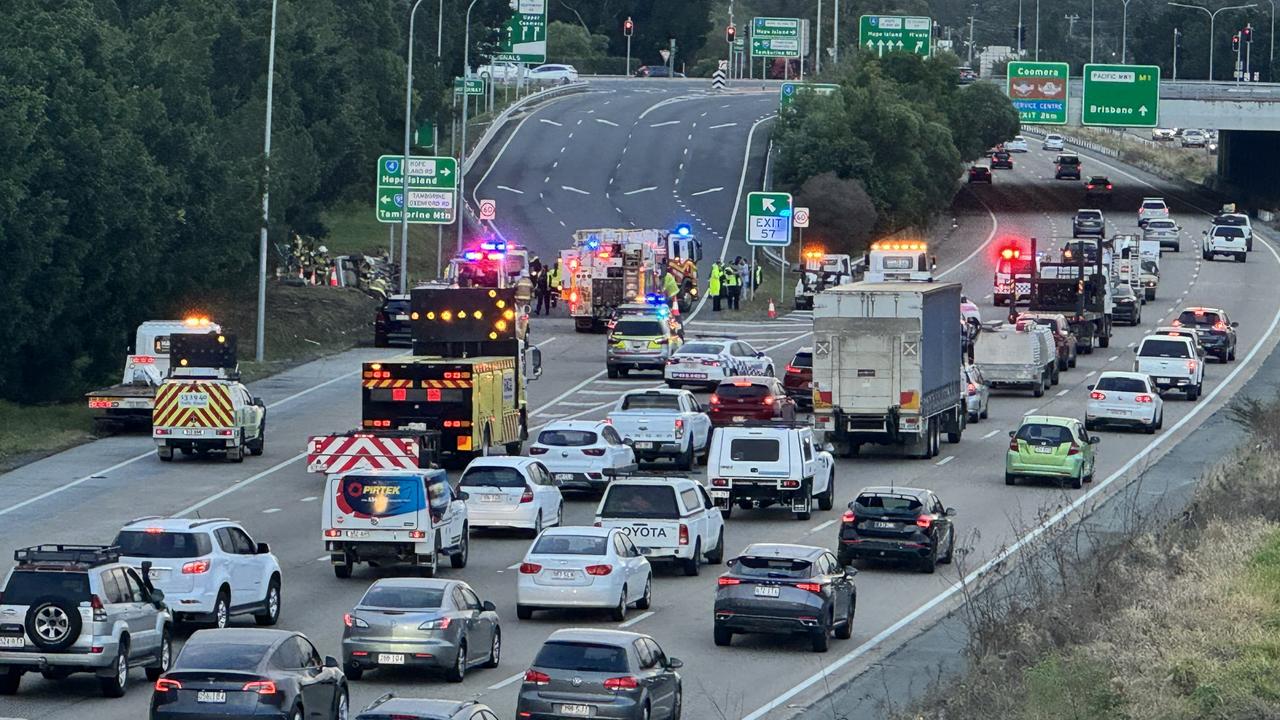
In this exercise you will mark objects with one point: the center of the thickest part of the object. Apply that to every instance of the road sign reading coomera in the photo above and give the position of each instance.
(1121, 95)
(890, 33)
(769, 218)
(1038, 91)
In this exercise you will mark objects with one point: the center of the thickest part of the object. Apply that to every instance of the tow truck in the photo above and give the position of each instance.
(1079, 287)
(899, 260)
(820, 271)
(461, 392)
(606, 268)
(132, 400)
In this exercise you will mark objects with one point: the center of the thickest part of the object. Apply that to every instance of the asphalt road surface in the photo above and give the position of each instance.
(87, 493)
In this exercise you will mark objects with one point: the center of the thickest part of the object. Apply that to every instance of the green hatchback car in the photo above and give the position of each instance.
(1050, 447)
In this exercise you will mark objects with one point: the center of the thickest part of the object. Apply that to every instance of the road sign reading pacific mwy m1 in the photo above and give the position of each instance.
(1121, 96)
(769, 218)
(1038, 91)
(433, 183)
(889, 33)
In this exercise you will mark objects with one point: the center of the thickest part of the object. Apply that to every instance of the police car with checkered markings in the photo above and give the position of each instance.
(704, 361)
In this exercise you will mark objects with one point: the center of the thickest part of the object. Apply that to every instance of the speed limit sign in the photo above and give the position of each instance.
(800, 217)
(488, 209)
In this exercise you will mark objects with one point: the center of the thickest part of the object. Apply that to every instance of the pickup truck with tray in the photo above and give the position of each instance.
(662, 423)
(670, 519)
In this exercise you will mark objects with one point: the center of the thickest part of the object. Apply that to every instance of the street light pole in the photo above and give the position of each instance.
(1124, 34)
(404, 163)
(1092, 16)
(1213, 16)
(817, 42)
(260, 337)
(1019, 28)
(835, 34)
(1037, 30)
(462, 150)
(1271, 37)
(1177, 35)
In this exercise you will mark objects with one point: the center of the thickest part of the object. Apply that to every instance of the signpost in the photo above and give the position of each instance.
(473, 86)
(433, 183)
(787, 96)
(891, 33)
(1121, 95)
(775, 37)
(1038, 91)
(769, 219)
(524, 35)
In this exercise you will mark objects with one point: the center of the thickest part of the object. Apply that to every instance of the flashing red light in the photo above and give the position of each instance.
(433, 395)
(144, 360)
(1220, 326)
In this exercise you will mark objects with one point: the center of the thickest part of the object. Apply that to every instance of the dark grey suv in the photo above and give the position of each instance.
(609, 674)
(786, 589)
(1088, 222)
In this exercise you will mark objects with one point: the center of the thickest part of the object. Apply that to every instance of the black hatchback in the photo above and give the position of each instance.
(250, 672)
(391, 324)
(896, 523)
(785, 590)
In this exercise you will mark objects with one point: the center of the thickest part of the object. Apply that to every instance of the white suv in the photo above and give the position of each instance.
(1225, 240)
(774, 464)
(209, 569)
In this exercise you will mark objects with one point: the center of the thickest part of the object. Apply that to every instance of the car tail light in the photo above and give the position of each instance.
(262, 687)
(352, 620)
(1074, 449)
(711, 363)
(768, 399)
(593, 452)
(848, 517)
(1191, 365)
(526, 496)
(195, 567)
(810, 587)
(973, 389)
(537, 678)
(793, 369)
(684, 534)
(1095, 395)
(715, 399)
(535, 450)
(417, 534)
(99, 612)
(441, 624)
(530, 568)
(1013, 444)
(333, 532)
(728, 582)
(224, 433)
(622, 683)
(791, 484)
(673, 361)
(719, 482)
(1142, 398)
(599, 570)
(166, 684)
(1220, 326)
(924, 521)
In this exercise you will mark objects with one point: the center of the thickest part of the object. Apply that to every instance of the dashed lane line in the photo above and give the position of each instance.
(640, 190)
(639, 618)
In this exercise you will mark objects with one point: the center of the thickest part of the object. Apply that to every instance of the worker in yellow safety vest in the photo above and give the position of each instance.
(553, 281)
(670, 287)
(733, 286)
(713, 286)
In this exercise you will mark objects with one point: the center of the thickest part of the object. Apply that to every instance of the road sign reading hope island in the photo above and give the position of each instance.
(889, 33)
(433, 183)
(1038, 91)
(775, 37)
(1121, 95)
(769, 218)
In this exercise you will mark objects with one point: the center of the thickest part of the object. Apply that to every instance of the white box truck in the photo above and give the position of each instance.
(886, 366)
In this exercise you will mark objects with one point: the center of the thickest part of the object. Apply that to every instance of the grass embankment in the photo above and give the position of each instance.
(1168, 159)
(30, 431)
(1174, 623)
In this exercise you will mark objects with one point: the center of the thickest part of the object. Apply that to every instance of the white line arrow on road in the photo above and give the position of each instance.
(510, 189)
(550, 122)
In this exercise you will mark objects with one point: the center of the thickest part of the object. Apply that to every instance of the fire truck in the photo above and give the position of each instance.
(459, 394)
(606, 268)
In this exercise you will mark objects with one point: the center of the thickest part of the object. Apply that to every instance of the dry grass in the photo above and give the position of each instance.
(1167, 159)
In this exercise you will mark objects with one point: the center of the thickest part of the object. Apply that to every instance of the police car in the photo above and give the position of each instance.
(705, 361)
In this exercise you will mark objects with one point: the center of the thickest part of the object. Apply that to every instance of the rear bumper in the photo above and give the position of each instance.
(523, 515)
(533, 706)
(883, 548)
(1056, 471)
(768, 624)
(35, 659)
(1171, 383)
(592, 482)
(595, 595)
(425, 654)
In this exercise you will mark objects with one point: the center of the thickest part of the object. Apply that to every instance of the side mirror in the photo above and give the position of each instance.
(1012, 433)
(732, 563)
(950, 512)
(674, 663)
(1095, 440)
(463, 495)
(489, 606)
(157, 597)
(535, 363)
(1088, 387)
(759, 354)
(1235, 324)
(828, 447)
(850, 571)
(259, 402)
(331, 662)
(263, 548)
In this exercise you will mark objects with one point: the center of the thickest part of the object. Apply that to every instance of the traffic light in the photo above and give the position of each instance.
(730, 33)
(628, 27)
(1247, 34)
(1235, 43)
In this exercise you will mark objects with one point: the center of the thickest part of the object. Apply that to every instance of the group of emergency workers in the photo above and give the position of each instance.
(545, 285)
(726, 282)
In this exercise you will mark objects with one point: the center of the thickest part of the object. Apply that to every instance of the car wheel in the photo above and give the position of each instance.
(619, 612)
(1039, 390)
(1077, 482)
(342, 570)
(114, 686)
(1193, 393)
(259, 444)
(1150, 428)
(827, 499)
(1009, 479)
(458, 672)
(221, 610)
(723, 636)
(844, 630)
(163, 658)
(951, 548)
(986, 410)
(297, 714)
(559, 515)
(458, 560)
(342, 707)
(352, 671)
(691, 565)
(613, 372)
(524, 612)
(677, 705)
(685, 461)
(929, 564)
(537, 525)
(1231, 354)
(9, 681)
(820, 639)
(646, 600)
(716, 556)
(495, 649)
(271, 614)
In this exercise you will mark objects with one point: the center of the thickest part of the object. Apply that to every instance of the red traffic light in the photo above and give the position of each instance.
(628, 27)
(1235, 43)
(730, 33)
(1247, 34)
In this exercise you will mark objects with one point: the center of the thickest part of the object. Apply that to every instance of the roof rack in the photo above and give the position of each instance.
(88, 555)
(144, 517)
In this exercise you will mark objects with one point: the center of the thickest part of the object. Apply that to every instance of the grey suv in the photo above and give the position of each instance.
(76, 608)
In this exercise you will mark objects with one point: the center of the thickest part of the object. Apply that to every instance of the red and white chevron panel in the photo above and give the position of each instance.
(343, 453)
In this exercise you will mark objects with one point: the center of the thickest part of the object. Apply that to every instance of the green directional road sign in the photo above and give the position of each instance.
(769, 218)
(524, 35)
(775, 37)
(888, 33)
(1121, 95)
(791, 89)
(1038, 91)
(433, 183)
(474, 86)
(424, 134)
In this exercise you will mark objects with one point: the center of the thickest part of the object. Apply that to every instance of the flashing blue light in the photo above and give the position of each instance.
(472, 255)
(664, 311)
(593, 242)
(494, 245)
(683, 229)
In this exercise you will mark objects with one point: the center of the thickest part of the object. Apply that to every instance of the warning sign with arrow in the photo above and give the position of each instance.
(769, 218)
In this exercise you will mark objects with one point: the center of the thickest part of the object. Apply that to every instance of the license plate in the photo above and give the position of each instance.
(1045, 450)
(644, 446)
(885, 525)
(575, 710)
(689, 375)
(390, 659)
(767, 591)
(637, 346)
(12, 642)
(211, 696)
(1164, 380)
(402, 317)
(564, 476)
(357, 533)
(492, 498)
(739, 418)
(719, 494)
(192, 431)
(563, 574)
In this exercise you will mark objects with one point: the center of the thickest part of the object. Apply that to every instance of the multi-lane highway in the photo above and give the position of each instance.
(614, 157)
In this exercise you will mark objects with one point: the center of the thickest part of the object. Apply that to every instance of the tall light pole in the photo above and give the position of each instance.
(1124, 34)
(462, 150)
(975, 9)
(1271, 37)
(835, 34)
(1177, 40)
(1093, 15)
(1019, 28)
(260, 337)
(817, 42)
(404, 163)
(1213, 15)
(1037, 30)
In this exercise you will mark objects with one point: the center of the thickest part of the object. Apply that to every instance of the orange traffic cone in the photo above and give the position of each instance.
(333, 276)
(773, 312)
(675, 309)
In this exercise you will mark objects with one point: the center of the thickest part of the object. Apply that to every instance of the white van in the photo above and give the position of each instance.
(775, 464)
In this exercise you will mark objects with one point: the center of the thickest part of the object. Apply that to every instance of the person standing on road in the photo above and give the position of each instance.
(713, 286)
(542, 291)
(733, 284)
(670, 287)
(553, 282)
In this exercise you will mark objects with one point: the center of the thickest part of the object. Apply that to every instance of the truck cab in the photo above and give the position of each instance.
(819, 272)
(133, 398)
(899, 260)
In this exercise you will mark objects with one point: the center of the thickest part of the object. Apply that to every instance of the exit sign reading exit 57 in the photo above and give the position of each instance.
(1121, 95)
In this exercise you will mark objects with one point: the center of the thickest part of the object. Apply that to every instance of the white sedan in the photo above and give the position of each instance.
(583, 567)
(1124, 398)
(1017, 144)
(554, 73)
(511, 492)
(705, 362)
(577, 452)
(1053, 142)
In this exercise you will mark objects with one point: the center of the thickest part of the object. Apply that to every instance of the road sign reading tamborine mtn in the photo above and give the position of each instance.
(523, 37)
(775, 37)
(888, 33)
(433, 183)
(769, 218)
(1038, 91)
(1121, 95)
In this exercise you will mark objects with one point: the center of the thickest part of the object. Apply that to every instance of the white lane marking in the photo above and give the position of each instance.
(269, 511)
(510, 189)
(238, 485)
(597, 392)
(945, 460)
(566, 403)
(322, 558)
(606, 122)
(572, 189)
(636, 619)
(1035, 532)
(1063, 391)
(1113, 358)
(545, 179)
(310, 498)
(991, 434)
(822, 526)
(1091, 373)
(1032, 411)
(995, 225)
(661, 124)
(550, 122)
(722, 125)
(508, 681)
(643, 189)
(553, 212)
(706, 192)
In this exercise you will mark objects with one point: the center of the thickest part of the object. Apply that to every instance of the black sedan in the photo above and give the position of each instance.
(897, 523)
(391, 324)
(250, 672)
(980, 174)
(1001, 159)
(1126, 306)
(785, 590)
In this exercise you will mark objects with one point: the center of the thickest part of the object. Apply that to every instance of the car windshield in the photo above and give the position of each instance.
(641, 328)
(1165, 348)
(567, 438)
(1089, 215)
(581, 657)
(656, 401)
(1202, 318)
(403, 598)
(1121, 384)
(640, 501)
(153, 544)
(571, 545)
(754, 450)
(27, 586)
(219, 656)
(1044, 433)
(741, 391)
(889, 503)
(802, 360)
(772, 567)
(698, 348)
(1124, 292)
(1153, 205)
(499, 477)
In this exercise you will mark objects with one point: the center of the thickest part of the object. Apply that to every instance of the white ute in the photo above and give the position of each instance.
(669, 519)
(662, 423)
(756, 467)
(1172, 362)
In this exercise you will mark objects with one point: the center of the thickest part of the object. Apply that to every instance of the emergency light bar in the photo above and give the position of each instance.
(899, 245)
